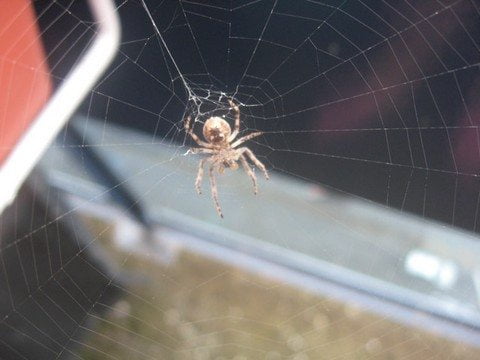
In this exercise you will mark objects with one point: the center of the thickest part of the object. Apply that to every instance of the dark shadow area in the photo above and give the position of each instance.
(52, 275)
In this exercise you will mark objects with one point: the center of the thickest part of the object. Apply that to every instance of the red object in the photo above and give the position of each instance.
(25, 84)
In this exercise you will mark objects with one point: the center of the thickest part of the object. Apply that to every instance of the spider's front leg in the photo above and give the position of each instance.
(254, 159)
(200, 151)
(213, 185)
(250, 172)
(198, 180)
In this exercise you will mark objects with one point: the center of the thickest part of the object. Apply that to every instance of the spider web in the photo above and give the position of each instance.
(375, 100)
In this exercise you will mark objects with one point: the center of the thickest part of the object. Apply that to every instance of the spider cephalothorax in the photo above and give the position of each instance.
(221, 145)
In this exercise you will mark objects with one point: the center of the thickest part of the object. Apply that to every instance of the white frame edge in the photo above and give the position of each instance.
(63, 102)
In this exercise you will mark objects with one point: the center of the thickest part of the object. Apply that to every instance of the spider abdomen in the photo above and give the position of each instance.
(216, 130)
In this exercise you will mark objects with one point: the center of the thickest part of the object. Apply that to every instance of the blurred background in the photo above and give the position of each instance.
(362, 245)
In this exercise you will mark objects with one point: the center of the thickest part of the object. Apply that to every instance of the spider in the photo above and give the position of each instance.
(221, 144)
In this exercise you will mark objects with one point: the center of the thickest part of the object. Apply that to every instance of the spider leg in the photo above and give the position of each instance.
(213, 184)
(254, 159)
(190, 132)
(198, 180)
(236, 128)
(201, 151)
(246, 138)
(250, 173)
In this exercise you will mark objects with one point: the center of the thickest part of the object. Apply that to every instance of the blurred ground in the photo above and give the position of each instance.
(196, 308)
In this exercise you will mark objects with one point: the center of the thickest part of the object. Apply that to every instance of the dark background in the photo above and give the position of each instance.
(391, 114)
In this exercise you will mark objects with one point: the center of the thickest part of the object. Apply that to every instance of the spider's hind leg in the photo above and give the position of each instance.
(189, 131)
(236, 128)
